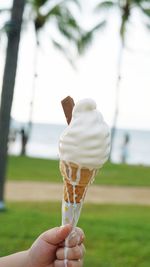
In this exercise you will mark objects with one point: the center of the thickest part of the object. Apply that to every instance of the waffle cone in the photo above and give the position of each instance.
(80, 177)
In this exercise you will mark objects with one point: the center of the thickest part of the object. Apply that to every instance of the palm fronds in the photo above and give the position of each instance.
(146, 11)
(76, 2)
(60, 14)
(63, 49)
(37, 3)
(64, 20)
(148, 26)
(105, 5)
(87, 37)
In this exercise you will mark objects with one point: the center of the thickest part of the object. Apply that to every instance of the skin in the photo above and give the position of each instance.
(48, 250)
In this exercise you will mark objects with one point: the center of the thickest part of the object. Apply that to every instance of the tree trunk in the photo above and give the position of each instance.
(8, 86)
(35, 77)
(118, 84)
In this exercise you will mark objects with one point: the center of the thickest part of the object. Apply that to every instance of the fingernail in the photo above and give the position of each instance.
(65, 262)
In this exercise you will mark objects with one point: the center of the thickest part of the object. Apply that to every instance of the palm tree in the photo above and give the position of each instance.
(65, 24)
(8, 87)
(125, 8)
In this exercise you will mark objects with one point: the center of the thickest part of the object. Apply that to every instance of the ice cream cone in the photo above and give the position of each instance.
(76, 181)
(84, 148)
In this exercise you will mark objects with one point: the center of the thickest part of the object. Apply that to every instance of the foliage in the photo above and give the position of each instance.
(125, 9)
(60, 15)
(87, 37)
(65, 22)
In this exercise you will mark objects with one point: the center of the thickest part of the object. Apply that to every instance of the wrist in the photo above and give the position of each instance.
(16, 260)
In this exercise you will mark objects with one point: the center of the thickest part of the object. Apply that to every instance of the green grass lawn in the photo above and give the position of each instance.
(25, 168)
(116, 236)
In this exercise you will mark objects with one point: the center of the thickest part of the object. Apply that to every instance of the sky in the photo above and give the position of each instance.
(95, 75)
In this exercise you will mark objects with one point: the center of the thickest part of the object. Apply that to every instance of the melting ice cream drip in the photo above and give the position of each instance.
(93, 176)
(74, 193)
(65, 185)
(78, 175)
(67, 191)
(65, 254)
(71, 203)
(65, 261)
(73, 183)
(69, 173)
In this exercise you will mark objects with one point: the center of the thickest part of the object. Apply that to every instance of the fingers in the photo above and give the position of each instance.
(71, 252)
(76, 237)
(74, 253)
(69, 263)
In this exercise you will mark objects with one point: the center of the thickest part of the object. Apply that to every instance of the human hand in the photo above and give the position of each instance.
(49, 249)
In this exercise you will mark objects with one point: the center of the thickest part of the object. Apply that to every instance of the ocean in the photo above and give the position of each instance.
(43, 143)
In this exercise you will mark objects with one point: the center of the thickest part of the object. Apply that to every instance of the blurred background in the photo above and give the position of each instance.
(45, 75)
(96, 49)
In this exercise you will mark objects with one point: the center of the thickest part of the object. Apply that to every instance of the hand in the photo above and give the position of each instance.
(49, 249)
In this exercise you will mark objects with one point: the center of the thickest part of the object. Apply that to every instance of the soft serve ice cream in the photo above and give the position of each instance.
(86, 141)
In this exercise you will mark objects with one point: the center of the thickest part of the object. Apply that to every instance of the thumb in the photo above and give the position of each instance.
(57, 234)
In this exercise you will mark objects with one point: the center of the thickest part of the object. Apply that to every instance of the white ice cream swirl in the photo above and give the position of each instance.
(86, 141)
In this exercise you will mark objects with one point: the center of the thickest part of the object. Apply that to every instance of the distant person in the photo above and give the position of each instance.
(48, 250)
(11, 138)
(12, 135)
(24, 140)
(124, 155)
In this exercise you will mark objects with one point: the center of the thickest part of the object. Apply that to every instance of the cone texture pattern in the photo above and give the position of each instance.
(76, 180)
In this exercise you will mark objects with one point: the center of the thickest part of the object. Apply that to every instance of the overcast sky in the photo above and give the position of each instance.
(95, 76)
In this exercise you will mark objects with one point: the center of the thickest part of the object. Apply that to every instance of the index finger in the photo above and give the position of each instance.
(76, 237)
